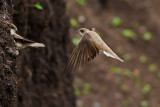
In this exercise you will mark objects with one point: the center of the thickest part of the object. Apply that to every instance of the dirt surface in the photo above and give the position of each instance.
(40, 82)
(8, 77)
(105, 82)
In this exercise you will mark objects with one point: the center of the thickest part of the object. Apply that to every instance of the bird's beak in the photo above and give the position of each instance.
(79, 33)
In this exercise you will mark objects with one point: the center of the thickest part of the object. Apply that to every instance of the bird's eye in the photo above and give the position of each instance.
(82, 31)
(12, 27)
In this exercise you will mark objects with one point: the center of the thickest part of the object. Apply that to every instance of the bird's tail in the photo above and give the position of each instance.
(35, 45)
(113, 55)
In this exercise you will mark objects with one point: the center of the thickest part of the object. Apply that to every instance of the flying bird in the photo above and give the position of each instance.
(89, 46)
(22, 42)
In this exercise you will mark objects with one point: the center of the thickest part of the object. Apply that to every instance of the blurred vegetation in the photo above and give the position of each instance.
(143, 59)
(116, 22)
(144, 103)
(147, 36)
(146, 89)
(133, 38)
(129, 33)
(74, 22)
(76, 41)
(81, 2)
(127, 57)
(38, 6)
(152, 68)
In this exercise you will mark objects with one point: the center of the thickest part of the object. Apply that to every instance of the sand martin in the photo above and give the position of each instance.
(22, 42)
(89, 46)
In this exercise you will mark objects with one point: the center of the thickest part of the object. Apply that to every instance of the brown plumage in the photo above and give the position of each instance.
(22, 42)
(90, 45)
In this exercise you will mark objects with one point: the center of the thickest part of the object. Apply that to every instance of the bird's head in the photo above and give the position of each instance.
(82, 31)
(12, 26)
(12, 29)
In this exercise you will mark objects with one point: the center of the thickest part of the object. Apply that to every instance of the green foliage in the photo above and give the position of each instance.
(81, 2)
(68, 5)
(77, 91)
(138, 82)
(120, 50)
(159, 74)
(38, 6)
(115, 70)
(124, 87)
(144, 103)
(147, 36)
(143, 59)
(76, 41)
(152, 68)
(74, 22)
(127, 57)
(127, 102)
(116, 22)
(87, 88)
(128, 33)
(118, 80)
(128, 73)
(146, 89)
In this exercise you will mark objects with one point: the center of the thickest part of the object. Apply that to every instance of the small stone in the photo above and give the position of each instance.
(81, 19)
(79, 102)
(96, 104)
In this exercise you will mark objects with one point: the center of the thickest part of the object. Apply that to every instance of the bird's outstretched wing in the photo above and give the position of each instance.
(22, 42)
(85, 51)
(22, 39)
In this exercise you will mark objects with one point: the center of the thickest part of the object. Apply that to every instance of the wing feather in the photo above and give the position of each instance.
(71, 60)
(77, 61)
(85, 51)
(22, 39)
